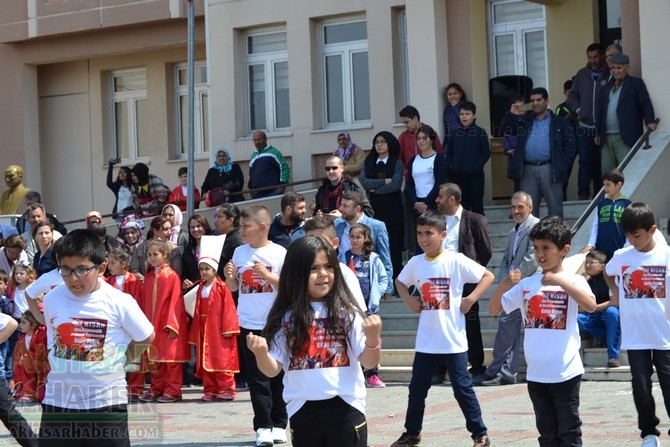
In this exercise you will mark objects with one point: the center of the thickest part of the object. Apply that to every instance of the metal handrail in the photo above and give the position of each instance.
(157, 209)
(642, 143)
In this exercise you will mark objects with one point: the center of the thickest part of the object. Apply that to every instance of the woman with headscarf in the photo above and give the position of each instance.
(149, 191)
(382, 176)
(351, 154)
(159, 229)
(130, 233)
(224, 178)
(177, 236)
(121, 187)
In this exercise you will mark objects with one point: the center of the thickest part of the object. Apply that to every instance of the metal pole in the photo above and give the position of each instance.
(190, 199)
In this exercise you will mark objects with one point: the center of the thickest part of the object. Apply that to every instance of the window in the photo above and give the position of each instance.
(130, 114)
(517, 31)
(267, 81)
(404, 55)
(346, 80)
(200, 110)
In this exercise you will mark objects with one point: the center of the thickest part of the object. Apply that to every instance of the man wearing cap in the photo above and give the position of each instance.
(624, 104)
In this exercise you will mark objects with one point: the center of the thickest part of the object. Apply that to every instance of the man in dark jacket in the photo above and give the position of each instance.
(545, 150)
(327, 198)
(291, 218)
(623, 104)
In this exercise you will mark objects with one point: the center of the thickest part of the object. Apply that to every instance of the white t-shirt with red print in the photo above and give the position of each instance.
(643, 296)
(440, 282)
(256, 295)
(551, 340)
(87, 339)
(329, 366)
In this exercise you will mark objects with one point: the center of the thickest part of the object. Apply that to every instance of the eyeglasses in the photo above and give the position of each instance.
(380, 142)
(331, 168)
(79, 272)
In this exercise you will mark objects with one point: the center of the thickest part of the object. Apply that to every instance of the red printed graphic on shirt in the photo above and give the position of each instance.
(435, 294)
(251, 282)
(547, 310)
(82, 339)
(324, 351)
(643, 281)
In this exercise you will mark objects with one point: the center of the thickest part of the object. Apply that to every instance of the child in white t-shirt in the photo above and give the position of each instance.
(549, 302)
(318, 335)
(642, 294)
(93, 329)
(439, 276)
(254, 271)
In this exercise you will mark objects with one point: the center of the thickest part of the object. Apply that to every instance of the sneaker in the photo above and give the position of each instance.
(264, 437)
(482, 441)
(167, 399)
(478, 379)
(279, 435)
(497, 381)
(651, 441)
(133, 398)
(407, 440)
(241, 386)
(613, 363)
(208, 398)
(374, 382)
(227, 396)
(148, 397)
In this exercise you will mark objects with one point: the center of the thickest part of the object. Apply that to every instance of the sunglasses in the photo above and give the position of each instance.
(331, 168)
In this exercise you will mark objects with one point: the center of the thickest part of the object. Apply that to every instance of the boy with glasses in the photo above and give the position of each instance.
(92, 331)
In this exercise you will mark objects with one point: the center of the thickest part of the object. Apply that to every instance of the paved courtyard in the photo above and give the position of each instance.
(606, 408)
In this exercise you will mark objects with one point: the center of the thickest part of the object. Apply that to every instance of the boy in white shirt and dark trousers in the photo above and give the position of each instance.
(549, 302)
(93, 330)
(641, 293)
(254, 271)
(439, 276)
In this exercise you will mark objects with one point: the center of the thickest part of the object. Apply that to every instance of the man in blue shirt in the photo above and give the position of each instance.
(545, 150)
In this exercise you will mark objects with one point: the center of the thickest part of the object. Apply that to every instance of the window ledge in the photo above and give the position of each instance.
(343, 128)
(273, 134)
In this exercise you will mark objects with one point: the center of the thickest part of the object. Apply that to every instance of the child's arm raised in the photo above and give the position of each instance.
(266, 364)
(413, 302)
(581, 297)
(513, 278)
(229, 273)
(372, 328)
(480, 290)
(261, 270)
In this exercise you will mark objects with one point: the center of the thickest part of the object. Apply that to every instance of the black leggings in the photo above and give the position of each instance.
(328, 423)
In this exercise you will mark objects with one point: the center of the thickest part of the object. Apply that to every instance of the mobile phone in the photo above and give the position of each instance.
(527, 107)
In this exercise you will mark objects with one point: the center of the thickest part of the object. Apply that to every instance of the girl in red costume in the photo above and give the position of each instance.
(30, 360)
(214, 332)
(120, 278)
(163, 303)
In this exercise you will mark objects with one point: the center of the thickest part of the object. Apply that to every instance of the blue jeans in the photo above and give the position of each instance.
(642, 364)
(538, 182)
(4, 349)
(589, 162)
(457, 367)
(556, 407)
(603, 324)
(9, 359)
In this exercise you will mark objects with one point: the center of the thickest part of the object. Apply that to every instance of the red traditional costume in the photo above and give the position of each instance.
(31, 366)
(163, 303)
(133, 287)
(214, 333)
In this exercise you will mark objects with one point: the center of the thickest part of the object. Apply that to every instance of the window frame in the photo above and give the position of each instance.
(200, 112)
(131, 98)
(346, 51)
(269, 60)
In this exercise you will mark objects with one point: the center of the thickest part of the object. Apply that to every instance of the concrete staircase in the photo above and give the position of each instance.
(399, 324)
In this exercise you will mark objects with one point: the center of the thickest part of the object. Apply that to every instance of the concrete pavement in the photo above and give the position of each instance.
(607, 412)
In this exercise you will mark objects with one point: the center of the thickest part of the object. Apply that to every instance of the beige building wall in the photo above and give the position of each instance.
(654, 37)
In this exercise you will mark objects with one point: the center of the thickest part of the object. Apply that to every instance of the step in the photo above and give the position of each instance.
(407, 322)
(405, 357)
(598, 357)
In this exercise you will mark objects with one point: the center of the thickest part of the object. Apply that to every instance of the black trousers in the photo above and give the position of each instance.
(102, 427)
(14, 421)
(556, 407)
(266, 393)
(328, 423)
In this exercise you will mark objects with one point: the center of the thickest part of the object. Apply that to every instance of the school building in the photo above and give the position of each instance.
(84, 81)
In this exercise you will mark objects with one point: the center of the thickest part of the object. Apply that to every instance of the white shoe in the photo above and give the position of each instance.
(264, 437)
(279, 435)
(651, 441)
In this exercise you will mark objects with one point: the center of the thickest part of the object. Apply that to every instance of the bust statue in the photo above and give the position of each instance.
(13, 196)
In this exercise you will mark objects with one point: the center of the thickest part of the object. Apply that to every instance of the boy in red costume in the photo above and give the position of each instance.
(215, 327)
(163, 304)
